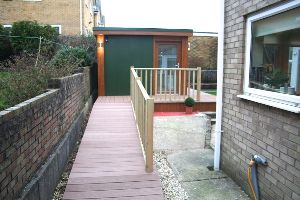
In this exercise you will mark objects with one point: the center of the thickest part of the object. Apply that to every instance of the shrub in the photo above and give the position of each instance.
(32, 29)
(23, 85)
(24, 76)
(23, 80)
(87, 43)
(189, 102)
(69, 59)
(5, 46)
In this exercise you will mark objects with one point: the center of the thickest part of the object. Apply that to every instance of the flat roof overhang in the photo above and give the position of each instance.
(142, 31)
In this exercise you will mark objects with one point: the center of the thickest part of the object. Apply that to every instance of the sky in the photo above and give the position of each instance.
(199, 15)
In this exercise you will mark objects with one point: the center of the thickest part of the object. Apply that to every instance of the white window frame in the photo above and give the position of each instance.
(91, 7)
(57, 26)
(7, 26)
(86, 31)
(274, 99)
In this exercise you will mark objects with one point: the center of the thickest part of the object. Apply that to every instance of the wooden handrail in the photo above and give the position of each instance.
(171, 84)
(143, 106)
(167, 83)
(178, 69)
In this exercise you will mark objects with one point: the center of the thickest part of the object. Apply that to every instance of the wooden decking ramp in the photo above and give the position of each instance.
(110, 164)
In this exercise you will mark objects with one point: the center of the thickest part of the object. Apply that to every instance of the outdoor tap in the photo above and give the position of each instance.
(252, 174)
(259, 159)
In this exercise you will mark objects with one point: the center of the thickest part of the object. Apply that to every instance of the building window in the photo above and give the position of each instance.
(8, 27)
(86, 31)
(57, 28)
(272, 67)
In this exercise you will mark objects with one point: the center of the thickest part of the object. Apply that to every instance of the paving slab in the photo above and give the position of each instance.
(182, 140)
(214, 189)
(179, 132)
(193, 169)
(193, 165)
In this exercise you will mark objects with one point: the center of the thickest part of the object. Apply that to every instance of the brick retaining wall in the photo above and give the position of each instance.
(30, 130)
(252, 128)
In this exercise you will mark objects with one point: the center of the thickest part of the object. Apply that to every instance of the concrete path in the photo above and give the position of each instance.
(174, 133)
(182, 138)
(192, 168)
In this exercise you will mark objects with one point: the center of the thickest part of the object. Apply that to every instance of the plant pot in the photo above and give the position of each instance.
(188, 110)
(291, 90)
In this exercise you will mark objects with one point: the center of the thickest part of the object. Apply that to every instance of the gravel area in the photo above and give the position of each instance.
(171, 187)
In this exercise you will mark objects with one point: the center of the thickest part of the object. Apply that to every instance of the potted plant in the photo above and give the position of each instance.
(189, 104)
(276, 78)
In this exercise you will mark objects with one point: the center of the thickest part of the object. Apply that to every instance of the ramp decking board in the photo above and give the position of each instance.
(110, 163)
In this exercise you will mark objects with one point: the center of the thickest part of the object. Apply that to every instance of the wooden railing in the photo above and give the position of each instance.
(161, 84)
(171, 84)
(143, 107)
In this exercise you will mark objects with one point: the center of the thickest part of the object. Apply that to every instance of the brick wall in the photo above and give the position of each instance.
(30, 130)
(203, 52)
(251, 128)
(63, 12)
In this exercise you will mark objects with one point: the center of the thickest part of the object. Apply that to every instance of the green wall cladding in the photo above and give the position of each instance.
(121, 52)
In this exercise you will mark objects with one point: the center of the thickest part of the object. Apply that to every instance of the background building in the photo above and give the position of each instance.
(203, 51)
(69, 17)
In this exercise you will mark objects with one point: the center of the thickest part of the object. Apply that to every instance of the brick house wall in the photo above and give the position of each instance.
(203, 52)
(63, 12)
(30, 131)
(252, 128)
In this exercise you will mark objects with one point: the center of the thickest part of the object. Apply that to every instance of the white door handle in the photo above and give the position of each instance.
(178, 65)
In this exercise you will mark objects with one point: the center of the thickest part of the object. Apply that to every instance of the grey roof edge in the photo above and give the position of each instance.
(142, 29)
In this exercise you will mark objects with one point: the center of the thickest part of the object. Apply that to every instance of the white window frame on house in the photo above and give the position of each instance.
(7, 26)
(57, 26)
(86, 31)
(274, 99)
(91, 7)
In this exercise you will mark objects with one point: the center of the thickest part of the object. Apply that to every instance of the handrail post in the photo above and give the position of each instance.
(149, 135)
(131, 84)
(198, 83)
(137, 97)
(143, 106)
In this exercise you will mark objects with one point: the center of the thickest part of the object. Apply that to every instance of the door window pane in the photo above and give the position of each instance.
(167, 55)
(167, 58)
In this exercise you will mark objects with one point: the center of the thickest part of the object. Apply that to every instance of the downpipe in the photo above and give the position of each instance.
(255, 161)
(219, 106)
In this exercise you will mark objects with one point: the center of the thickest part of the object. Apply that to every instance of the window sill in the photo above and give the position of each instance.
(270, 102)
